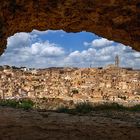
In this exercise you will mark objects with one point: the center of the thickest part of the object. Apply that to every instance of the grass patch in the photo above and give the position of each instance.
(86, 107)
(25, 103)
(109, 106)
(134, 108)
(9, 103)
(80, 108)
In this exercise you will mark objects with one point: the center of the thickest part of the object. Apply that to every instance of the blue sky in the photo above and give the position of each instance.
(69, 41)
(58, 48)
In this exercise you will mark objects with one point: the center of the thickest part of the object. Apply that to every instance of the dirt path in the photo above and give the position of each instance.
(16, 124)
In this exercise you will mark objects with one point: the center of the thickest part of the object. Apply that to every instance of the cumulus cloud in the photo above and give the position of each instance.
(99, 43)
(104, 55)
(23, 51)
(46, 32)
(20, 40)
(46, 49)
(27, 49)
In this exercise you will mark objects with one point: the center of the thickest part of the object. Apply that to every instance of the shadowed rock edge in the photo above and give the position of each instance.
(113, 19)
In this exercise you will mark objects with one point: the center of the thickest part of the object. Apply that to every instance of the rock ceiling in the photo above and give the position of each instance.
(117, 20)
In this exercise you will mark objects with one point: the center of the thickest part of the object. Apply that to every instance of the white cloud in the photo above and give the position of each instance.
(102, 42)
(46, 49)
(22, 50)
(104, 55)
(20, 40)
(46, 32)
(86, 44)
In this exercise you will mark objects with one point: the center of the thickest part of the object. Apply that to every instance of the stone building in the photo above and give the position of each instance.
(92, 84)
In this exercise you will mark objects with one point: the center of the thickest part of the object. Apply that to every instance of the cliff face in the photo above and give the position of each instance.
(118, 20)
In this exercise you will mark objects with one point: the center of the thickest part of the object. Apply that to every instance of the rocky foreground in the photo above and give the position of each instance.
(17, 124)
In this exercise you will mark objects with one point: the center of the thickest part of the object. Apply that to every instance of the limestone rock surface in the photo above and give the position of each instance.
(18, 124)
(118, 20)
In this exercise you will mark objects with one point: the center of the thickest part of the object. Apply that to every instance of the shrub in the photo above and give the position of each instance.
(84, 107)
(9, 103)
(134, 108)
(63, 109)
(25, 104)
(87, 107)
(109, 106)
(75, 91)
(44, 98)
(122, 97)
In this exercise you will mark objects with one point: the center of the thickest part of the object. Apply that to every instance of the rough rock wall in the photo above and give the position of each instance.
(118, 20)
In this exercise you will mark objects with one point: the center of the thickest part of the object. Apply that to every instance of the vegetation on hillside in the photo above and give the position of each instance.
(24, 103)
(87, 107)
(79, 108)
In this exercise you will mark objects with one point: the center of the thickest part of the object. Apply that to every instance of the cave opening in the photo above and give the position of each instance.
(57, 48)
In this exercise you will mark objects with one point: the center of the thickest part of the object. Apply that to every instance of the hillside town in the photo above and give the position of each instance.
(110, 83)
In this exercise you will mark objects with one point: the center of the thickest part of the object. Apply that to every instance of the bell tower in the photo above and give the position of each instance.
(117, 61)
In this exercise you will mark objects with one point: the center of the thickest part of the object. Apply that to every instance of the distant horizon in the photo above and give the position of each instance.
(65, 67)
